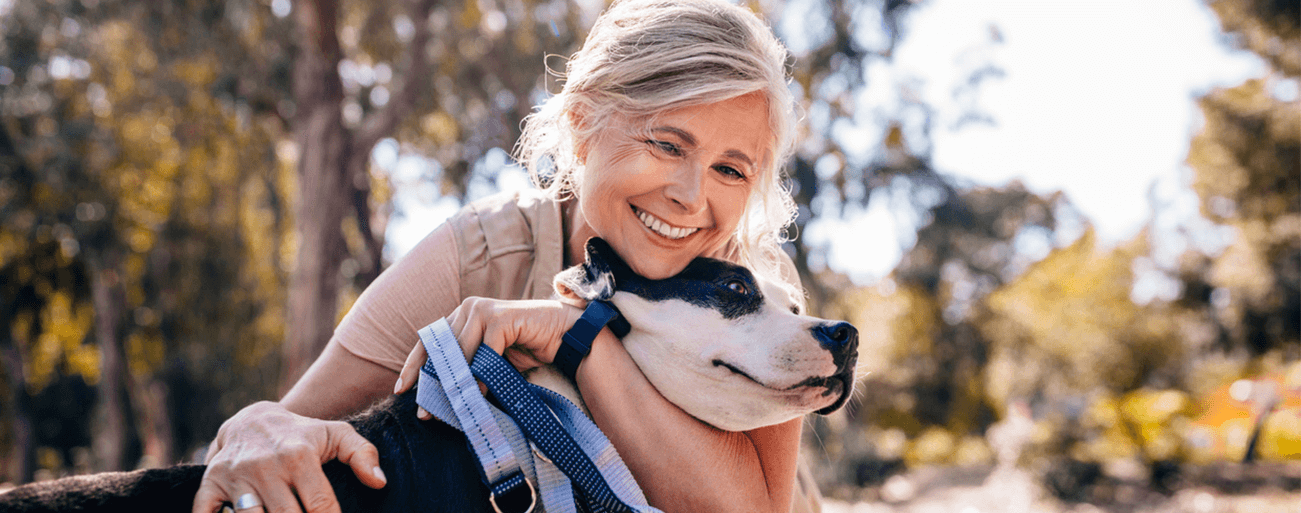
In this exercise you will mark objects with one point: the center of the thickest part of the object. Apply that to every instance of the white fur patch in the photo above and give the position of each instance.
(734, 374)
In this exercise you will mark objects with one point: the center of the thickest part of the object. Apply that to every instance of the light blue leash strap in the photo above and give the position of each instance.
(566, 444)
(538, 420)
(457, 393)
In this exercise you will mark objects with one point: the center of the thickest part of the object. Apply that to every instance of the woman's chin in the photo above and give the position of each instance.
(657, 270)
(658, 258)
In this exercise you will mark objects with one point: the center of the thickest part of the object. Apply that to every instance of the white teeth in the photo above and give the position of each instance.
(664, 228)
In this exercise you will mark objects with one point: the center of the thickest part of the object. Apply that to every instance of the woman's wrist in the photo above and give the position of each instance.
(606, 356)
(577, 342)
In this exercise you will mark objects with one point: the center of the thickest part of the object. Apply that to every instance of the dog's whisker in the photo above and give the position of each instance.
(817, 437)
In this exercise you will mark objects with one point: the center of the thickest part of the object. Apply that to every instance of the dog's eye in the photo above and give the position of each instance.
(737, 287)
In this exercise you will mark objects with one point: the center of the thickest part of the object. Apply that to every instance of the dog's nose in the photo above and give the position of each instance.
(836, 337)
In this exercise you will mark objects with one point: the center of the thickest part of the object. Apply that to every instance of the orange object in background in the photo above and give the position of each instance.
(1230, 416)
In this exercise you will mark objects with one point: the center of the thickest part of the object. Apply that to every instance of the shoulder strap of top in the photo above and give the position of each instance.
(510, 245)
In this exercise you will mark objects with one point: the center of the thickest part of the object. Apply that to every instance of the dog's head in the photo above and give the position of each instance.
(726, 346)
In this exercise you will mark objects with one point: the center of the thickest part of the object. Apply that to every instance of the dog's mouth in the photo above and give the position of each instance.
(837, 384)
(734, 369)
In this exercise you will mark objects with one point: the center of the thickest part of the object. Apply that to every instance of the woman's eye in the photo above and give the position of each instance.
(737, 286)
(666, 147)
(730, 172)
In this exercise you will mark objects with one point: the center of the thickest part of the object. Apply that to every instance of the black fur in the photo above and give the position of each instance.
(430, 468)
(705, 282)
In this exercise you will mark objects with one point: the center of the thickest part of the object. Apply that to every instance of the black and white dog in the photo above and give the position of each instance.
(727, 347)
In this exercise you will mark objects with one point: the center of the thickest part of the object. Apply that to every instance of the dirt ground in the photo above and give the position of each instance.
(1000, 490)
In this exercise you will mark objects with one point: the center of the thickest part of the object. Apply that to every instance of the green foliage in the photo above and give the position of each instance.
(1003, 302)
(148, 151)
(1247, 172)
(140, 169)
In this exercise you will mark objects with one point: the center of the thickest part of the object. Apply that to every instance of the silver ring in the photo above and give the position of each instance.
(247, 501)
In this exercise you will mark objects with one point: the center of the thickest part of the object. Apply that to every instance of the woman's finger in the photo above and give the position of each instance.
(411, 369)
(469, 325)
(355, 451)
(497, 335)
(210, 496)
(277, 496)
(213, 447)
(314, 493)
(247, 502)
(522, 360)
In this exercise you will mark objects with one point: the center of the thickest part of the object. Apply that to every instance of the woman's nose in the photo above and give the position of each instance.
(686, 187)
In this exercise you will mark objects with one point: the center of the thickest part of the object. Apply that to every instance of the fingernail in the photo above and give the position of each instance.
(397, 388)
(380, 474)
(422, 414)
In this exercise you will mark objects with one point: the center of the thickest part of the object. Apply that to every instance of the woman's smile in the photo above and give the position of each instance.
(662, 227)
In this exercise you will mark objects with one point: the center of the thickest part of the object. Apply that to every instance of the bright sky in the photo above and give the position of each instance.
(1097, 101)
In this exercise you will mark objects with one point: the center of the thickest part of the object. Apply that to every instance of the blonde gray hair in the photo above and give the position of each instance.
(644, 57)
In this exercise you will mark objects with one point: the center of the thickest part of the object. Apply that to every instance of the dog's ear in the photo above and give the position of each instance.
(595, 278)
(600, 254)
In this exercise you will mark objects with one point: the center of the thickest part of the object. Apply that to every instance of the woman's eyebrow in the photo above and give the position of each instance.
(690, 140)
(686, 136)
(738, 155)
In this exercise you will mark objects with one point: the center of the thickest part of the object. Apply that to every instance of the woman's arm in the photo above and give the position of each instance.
(683, 464)
(338, 384)
(275, 449)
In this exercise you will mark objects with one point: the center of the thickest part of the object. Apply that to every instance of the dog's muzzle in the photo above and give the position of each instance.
(841, 340)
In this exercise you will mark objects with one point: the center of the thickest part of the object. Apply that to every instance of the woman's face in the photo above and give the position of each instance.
(664, 196)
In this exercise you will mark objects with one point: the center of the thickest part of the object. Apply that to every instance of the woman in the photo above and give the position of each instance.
(665, 141)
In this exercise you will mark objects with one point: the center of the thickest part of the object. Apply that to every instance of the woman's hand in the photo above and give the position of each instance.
(526, 332)
(276, 455)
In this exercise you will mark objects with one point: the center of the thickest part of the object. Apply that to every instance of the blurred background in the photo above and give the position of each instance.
(1069, 232)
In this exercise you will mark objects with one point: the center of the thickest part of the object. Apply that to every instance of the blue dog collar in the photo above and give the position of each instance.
(577, 342)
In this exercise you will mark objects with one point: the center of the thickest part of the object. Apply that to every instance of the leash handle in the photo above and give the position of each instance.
(565, 442)
(454, 388)
(518, 398)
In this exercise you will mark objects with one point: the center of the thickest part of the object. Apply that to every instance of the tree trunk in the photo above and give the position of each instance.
(112, 435)
(324, 152)
(23, 455)
(332, 174)
(149, 400)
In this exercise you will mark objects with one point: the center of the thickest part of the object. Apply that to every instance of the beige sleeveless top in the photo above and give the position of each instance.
(507, 246)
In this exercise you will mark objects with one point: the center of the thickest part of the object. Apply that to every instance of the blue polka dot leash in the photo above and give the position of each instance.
(536, 436)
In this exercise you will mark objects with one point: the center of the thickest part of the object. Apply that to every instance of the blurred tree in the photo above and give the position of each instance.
(332, 173)
(154, 147)
(1247, 172)
(929, 361)
(1269, 28)
(485, 64)
(43, 307)
(833, 43)
(127, 158)
(1004, 296)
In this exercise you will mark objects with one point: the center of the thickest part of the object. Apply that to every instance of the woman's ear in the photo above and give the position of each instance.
(578, 128)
